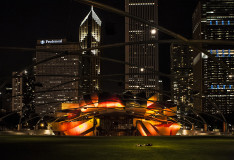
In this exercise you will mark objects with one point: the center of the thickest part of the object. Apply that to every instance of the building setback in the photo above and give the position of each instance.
(214, 20)
(58, 77)
(89, 70)
(143, 57)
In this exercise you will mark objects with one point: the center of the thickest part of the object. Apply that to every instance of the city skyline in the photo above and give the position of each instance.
(112, 33)
(133, 53)
(189, 67)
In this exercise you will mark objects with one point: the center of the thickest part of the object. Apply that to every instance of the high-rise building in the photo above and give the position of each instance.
(214, 20)
(141, 79)
(58, 78)
(6, 98)
(181, 86)
(23, 88)
(17, 92)
(89, 70)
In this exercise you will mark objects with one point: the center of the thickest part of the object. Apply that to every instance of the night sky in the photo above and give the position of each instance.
(23, 22)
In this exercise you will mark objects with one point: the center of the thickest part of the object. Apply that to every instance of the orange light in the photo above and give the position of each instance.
(69, 125)
(69, 105)
(151, 129)
(80, 129)
(175, 128)
(152, 100)
(141, 130)
(110, 105)
(170, 111)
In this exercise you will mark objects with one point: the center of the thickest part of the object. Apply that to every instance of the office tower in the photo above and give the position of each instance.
(6, 98)
(57, 79)
(214, 20)
(23, 88)
(17, 91)
(89, 70)
(144, 57)
(181, 85)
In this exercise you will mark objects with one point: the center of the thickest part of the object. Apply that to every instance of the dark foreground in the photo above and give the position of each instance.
(119, 148)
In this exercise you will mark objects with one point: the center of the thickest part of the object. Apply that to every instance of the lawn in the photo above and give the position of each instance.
(117, 148)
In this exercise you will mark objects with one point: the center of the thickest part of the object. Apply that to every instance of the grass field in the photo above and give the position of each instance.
(117, 148)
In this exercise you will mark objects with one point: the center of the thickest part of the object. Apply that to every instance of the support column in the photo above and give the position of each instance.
(19, 126)
(205, 127)
(224, 127)
(193, 127)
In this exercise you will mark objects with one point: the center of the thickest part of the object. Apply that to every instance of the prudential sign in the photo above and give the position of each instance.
(57, 41)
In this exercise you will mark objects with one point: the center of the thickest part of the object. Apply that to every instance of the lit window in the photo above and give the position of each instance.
(210, 22)
(229, 53)
(216, 22)
(228, 22)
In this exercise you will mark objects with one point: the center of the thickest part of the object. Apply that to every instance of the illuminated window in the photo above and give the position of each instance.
(216, 22)
(210, 22)
(228, 22)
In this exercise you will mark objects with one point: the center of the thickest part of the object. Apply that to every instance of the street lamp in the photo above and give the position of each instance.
(42, 125)
(153, 31)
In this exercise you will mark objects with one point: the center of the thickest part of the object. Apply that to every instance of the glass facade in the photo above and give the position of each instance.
(181, 86)
(214, 19)
(89, 70)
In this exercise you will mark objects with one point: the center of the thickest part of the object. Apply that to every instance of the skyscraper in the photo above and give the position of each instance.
(141, 79)
(58, 77)
(181, 86)
(214, 19)
(17, 92)
(23, 89)
(89, 70)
